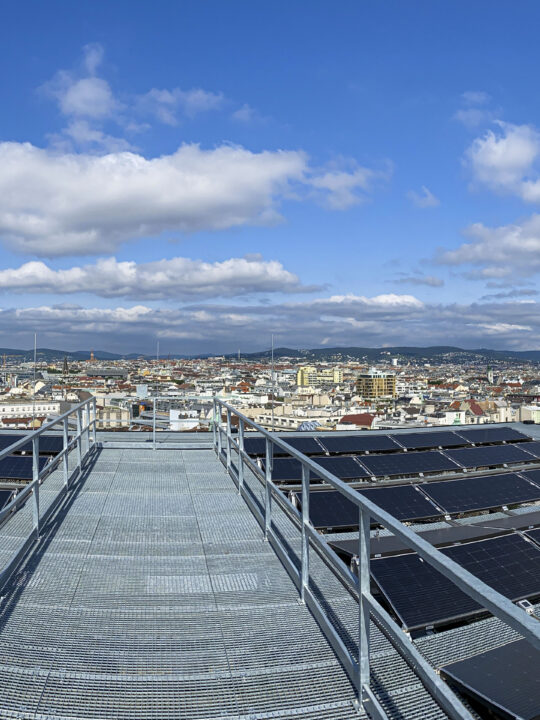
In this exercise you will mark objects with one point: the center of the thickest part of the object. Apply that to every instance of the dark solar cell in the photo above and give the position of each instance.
(532, 447)
(505, 680)
(418, 594)
(426, 440)
(533, 475)
(491, 455)
(345, 468)
(17, 467)
(492, 435)
(358, 443)
(480, 493)
(5, 497)
(422, 596)
(331, 509)
(404, 503)
(407, 463)
(534, 535)
(306, 445)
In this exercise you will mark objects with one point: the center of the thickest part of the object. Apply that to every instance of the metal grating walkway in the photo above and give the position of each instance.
(153, 595)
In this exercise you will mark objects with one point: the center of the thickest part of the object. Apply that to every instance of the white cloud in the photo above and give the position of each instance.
(245, 114)
(475, 97)
(504, 161)
(79, 204)
(93, 57)
(424, 199)
(168, 105)
(180, 278)
(419, 278)
(225, 327)
(474, 111)
(507, 251)
(342, 188)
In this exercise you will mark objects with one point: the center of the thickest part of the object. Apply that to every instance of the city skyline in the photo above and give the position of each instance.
(207, 175)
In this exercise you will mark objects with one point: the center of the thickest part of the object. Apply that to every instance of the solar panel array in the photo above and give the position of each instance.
(421, 596)
(19, 467)
(427, 440)
(48, 444)
(344, 467)
(492, 435)
(404, 503)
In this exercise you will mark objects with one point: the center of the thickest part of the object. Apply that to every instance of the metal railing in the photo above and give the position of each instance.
(358, 668)
(83, 441)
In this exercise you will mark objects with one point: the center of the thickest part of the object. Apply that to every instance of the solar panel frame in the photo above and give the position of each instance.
(484, 435)
(405, 464)
(358, 444)
(489, 456)
(430, 440)
(481, 492)
(532, 447)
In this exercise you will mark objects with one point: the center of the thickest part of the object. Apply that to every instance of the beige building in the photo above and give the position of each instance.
(309, 376)
(375, 384)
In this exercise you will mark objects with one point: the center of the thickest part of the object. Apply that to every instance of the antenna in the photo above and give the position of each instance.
(34, 388)
(273, 393)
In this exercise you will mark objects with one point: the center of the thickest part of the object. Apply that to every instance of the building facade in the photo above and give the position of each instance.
(376, 384)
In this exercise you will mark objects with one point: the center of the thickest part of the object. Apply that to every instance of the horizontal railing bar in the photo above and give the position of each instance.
(486, 596)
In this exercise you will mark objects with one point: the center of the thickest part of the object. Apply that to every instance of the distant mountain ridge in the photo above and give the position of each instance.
(441, 353)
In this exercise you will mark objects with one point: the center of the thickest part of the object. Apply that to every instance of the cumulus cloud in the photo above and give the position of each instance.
(168, 105)
(505, 160)
(346, 183)
(81, 204)
(340, 320)
(424, 199)
(507, 251)
(179, 278)
(473, 111)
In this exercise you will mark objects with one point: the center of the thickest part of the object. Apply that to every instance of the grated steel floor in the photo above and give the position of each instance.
(153, 595)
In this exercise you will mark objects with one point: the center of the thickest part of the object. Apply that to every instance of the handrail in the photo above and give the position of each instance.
(83, 444)
(359, 671)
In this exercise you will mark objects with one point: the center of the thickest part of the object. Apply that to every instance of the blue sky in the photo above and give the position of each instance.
(206, 174)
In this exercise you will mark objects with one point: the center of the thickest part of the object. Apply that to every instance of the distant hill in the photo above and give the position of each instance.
(435, 353)
(439, 353)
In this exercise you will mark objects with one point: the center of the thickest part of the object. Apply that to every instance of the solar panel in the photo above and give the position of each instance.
(404, 502)
(422, 596)
(17, 467)
(358, 443)
(256, 447)
(407, 463)
(532, 447)
(419, 594)
(331, 509)
(290, 469)
(490, 455)
(492, 435)
(426, 440)
(48, 444)
(505, 680)
(481, 493)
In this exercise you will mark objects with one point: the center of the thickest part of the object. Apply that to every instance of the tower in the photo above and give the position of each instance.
(65, 369)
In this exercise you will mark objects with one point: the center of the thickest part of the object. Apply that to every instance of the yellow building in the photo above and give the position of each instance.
(375, 384)
(308, 375)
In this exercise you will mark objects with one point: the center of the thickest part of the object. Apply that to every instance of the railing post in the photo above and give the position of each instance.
(79, 439)
(363, 606)
(228, 439)
(214, 435)
(86, 416)
(240, 455)
(66, 444)
(268, 488)
(219, 437)
(94, 419)
(35, 478)
(154, 425)
(305, 537)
